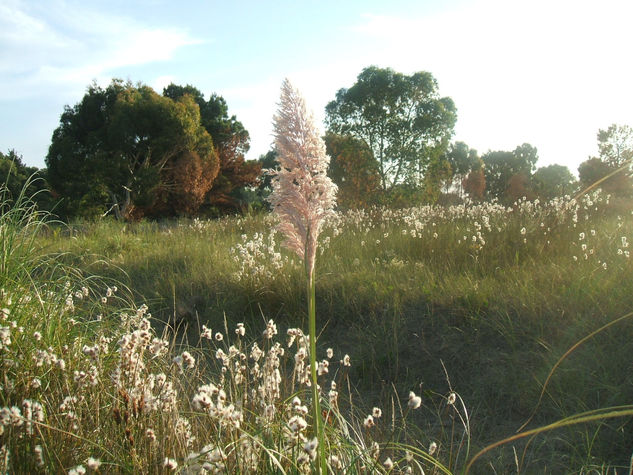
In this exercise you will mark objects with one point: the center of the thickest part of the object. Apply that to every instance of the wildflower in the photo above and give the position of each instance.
(346, 361)
(151, 435)
(206, 333)
(310, 447)
(271, 329)
(78, 470)
(452, 397)
(240, 330)
(368, 422)
(388, 464)
(432, 448)
(335, 462)
(188, 360)
(93, 463)
(376, 412)
(297, 424)
(414, 401)
(329, 353)
(37, 336)
(170, 464)
(219, 336)
(39, 455)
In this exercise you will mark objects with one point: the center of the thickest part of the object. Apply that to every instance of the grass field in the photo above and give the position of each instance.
(469, 307)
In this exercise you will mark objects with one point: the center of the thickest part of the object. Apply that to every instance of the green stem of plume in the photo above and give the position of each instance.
(318, 423)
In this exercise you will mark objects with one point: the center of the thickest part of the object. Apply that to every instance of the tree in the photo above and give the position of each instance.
(593, 170)
(402, 119)
(18, 178)
(438, 173)
(231, 141)
(353, 169)
(519, 187)
(501, 166)
(117, 151)
(615, 145)
(462, 160)
(553, 181)
(475, 182)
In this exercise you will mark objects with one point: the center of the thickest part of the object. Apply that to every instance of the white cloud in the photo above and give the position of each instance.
(67, 46)
(546, 72)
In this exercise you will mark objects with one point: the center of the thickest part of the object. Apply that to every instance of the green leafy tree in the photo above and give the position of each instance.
(116, 151)
(438, 173)
(353, 169)
(231, 141)
(18, 178)
(615, 145)
(501, 167)
(553, 181)
(462, 160)
(402, 119)
(592, 171)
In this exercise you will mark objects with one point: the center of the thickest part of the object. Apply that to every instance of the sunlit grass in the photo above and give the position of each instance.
(409, 299)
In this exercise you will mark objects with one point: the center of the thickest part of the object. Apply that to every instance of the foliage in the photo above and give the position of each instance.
(18, 178)
(468, 286)
(615, 145)
(117, 151)
(438, 174)
(231, 141)
(353, 169)
(401, 118)
(474, 184)
(462, 160)
(593, 170)
(552, 181)
(502, 166)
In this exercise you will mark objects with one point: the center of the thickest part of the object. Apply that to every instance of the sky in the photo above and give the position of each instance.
(547, 72)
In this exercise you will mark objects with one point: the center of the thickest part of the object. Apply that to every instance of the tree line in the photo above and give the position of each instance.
(127, 151)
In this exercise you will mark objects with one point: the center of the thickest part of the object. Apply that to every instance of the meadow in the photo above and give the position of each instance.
(179, 346)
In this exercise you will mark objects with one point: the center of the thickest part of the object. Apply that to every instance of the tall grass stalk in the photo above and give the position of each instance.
(303, 197)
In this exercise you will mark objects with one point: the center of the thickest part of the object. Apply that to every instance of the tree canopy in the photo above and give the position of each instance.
(553, 181)
(503, 171)
(402, 119)
(122, 149)
(353, 169)
(615, 145)
(17, 178)
(231, 141)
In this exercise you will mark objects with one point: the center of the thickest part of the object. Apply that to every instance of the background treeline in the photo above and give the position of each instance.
(130, 152)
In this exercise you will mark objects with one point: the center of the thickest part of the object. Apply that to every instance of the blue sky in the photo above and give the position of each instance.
(547, 72)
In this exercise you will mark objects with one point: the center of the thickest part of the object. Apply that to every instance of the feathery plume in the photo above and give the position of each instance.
(303, 195)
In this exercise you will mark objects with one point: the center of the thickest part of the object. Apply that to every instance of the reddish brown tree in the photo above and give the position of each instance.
(235, 173)
(518, 188)
(475, 183)
(231, 141)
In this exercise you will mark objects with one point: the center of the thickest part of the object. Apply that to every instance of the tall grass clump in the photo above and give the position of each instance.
(303, 197)
(88, 384)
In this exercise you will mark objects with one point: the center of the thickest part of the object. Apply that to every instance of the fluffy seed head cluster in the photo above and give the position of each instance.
(303, 195)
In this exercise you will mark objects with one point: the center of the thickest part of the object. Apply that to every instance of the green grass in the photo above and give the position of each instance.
(422, 310)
